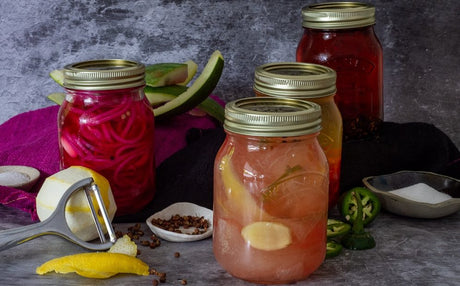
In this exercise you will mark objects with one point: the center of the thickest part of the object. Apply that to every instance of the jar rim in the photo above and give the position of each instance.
(104, 74)
(338, 15)
(295, 80)
(272, 117)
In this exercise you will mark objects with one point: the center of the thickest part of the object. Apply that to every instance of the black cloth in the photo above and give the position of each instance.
(188, 174)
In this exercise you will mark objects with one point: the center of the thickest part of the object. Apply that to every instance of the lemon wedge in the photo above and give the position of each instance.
(77, 212)
(95, 265)
(266, 235)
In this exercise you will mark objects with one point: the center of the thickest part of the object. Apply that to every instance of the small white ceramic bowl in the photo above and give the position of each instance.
(182, 209)
(381, 185)
(29, 174)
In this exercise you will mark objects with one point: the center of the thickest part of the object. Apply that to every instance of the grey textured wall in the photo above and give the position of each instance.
(420, 39)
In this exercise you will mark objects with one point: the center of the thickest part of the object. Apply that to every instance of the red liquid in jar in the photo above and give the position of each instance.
(111, 132)
(356, 56)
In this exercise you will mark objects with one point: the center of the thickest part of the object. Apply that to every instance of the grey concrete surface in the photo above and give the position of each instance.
(408, 252)
(420, 41)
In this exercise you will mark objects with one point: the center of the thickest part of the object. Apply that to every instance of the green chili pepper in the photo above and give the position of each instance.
(369, 201)
(358, 239)
(289, 174)
(337, 228)
(333, 249)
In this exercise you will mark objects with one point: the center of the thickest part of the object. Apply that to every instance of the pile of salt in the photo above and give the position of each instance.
(423, 193)
(12, 178)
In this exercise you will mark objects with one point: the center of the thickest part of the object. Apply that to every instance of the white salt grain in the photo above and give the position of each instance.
(423, 193)
(12, 178)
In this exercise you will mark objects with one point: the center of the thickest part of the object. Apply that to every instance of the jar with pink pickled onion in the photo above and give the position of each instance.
(107, 124)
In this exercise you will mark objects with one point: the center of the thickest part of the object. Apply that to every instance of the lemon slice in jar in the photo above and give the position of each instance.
(266, 235)
(239, 201)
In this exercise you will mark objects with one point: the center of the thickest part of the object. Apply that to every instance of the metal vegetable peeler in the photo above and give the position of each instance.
(56, 224)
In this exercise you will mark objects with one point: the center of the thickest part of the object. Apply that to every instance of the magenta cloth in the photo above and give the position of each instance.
(31, 139)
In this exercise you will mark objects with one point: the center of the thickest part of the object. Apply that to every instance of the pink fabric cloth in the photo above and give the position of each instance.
(31, 139)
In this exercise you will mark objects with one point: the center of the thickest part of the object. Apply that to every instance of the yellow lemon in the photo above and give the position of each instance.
(124, 245)
(78, 213)
(266, 235)
(95, 265)
(240, 200)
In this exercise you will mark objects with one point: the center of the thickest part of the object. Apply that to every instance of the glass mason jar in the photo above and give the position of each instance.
(341, 35)
(270, 191)
(107, 124)
(315, 83)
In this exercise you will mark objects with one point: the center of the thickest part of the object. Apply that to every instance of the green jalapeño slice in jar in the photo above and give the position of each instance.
(370, 204)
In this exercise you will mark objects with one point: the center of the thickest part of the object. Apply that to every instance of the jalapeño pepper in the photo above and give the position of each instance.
(358, 239)
(349, 206)
(333, 248)
(337, 228)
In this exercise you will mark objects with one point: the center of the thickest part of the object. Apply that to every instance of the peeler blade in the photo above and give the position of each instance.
(93, 189)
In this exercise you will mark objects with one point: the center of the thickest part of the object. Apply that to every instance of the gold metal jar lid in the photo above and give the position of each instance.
(295, 80)
(338, 15)
(104, 75)
(272, 117)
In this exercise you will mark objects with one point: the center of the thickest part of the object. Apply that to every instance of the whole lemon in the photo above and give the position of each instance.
(77, 212)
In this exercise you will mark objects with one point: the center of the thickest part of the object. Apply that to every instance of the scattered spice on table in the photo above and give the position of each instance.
(161, 275)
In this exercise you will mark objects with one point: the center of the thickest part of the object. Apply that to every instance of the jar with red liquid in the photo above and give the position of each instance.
(341, 35)
(270, 191)
(107, 124)
(315, 83)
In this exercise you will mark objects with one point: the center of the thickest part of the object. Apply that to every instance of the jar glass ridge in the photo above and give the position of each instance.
(314, 83)
(106, 124)
(270, 186)
(341, 35)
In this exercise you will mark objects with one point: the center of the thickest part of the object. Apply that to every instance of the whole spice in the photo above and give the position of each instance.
(135, 233)
(177, 223)
(161, 275)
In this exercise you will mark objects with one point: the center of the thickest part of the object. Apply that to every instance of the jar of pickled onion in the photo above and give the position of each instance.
(107, 124)
(341, 35)
(315, 83)
(270, 191)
